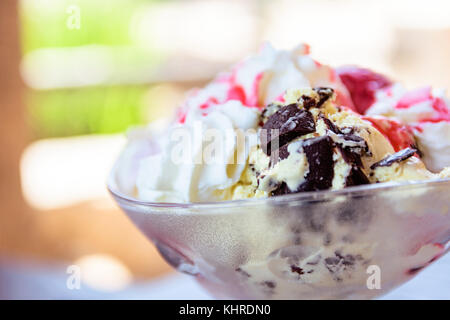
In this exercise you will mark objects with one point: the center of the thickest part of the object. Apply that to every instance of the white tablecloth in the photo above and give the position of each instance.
(23, 281)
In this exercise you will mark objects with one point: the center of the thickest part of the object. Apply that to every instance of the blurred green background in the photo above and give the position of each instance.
(98, 108)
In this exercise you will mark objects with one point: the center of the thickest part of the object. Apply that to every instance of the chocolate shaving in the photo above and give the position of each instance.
(331, 126)
(400, 156)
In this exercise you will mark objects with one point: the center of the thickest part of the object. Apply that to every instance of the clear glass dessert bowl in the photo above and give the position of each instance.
(354, 243)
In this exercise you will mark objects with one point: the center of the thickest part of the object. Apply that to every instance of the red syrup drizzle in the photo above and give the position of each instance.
(400, 136)
(362, 85)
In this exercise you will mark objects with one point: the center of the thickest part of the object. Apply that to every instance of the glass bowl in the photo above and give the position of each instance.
(355, 243)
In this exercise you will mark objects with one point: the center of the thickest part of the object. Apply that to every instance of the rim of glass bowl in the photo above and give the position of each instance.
(309, 196)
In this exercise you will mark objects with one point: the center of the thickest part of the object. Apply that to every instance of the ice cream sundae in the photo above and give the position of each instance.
(286, 178)
(334, 127)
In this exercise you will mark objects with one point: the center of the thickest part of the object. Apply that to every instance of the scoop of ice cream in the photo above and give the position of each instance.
(307, 144)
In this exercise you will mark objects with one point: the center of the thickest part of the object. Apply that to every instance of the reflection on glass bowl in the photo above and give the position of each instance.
(355, 243)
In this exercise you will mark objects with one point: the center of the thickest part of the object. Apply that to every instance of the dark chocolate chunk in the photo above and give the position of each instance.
(332, 261)
(243, 272)
(400, 156)
(327, 239)
(314, 221)
(337, 263)
(269, 284)
(283, 152)
(281, 189)
(297, 270)
(324, 94)
(349, 260)
(319, 152)
(307, 102)
(350, 154)
(277, 155)
(356, 178)
(283, 126)
(350, 157)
